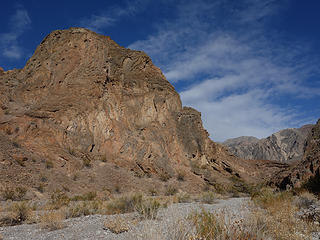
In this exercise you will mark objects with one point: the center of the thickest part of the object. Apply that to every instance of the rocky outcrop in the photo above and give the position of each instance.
(87, 114)
(306, 172)
(285, 146)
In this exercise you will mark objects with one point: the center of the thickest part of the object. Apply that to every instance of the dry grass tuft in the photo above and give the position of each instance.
(59, 199)
(78, 209)
(148, 208)
(171, 190)
(124, 204)
(52, 220)
(14, 194)
(279, 213)
(19, 213)
(214, 226)
(117, 225)
(181, 175)
(183, 197)
(89, 196)
(208, 197)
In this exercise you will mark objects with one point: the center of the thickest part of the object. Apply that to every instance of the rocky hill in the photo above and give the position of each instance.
(86, 114)
(285, 146)
(307, 171)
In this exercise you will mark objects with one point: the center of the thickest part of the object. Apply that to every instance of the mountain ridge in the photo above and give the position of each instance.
(286, 145)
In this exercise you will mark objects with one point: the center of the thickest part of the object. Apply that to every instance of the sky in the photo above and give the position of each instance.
(251, 67)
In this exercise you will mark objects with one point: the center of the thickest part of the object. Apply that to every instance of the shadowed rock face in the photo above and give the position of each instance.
(91, 115)
(284, 146)
(305, 170)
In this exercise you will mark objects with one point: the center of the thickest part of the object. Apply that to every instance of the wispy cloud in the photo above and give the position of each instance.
(18, 24)
(220, 56)
(99, 22)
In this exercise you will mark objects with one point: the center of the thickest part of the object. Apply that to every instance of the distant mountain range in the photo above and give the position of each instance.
(285, 146)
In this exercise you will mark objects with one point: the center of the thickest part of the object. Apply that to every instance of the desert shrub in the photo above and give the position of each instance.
(52, 220)
(280, 215)
(117, 225)
(86, 162)
(148, 208)
(267, 197)
(207, 225)
(219, 188)
(181, 175)
(8, 193)
(153, 192)
(18, 214)
(58, 199)
(103, 158)
(124, 204)
(49, 164)
(89, 196)
(78, 210)
(171, 190)
(21, 212)
(208, 197)
(183, 197)
(213, 226)
(40, 187)
(83, 208)
(17, 193)
(20, 193)
(164, 177)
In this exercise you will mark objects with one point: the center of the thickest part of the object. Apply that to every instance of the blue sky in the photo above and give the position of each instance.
(250, 66)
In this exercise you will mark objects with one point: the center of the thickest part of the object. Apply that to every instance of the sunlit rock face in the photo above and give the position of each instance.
(285, 146)
(89, 114)
(307, 171)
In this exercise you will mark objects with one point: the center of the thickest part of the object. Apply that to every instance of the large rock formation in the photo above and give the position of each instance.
(86, 114)
(306, 171)
(285, 146)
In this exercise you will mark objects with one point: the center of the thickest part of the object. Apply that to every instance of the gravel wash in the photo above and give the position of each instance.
(170, 223)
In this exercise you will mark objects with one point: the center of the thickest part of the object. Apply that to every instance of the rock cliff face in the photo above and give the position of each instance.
(306, 171)
(87, 114)
(285, 146)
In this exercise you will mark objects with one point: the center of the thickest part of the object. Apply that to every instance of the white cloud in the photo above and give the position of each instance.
(18, 24)
(99, 22)
(236, 115)
(228, 70)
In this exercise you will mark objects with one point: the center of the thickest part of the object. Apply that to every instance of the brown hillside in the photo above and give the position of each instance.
(87, 114)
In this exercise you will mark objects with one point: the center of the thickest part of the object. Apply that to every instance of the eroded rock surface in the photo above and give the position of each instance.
(285, 146)
(87, 114)
(305, 171)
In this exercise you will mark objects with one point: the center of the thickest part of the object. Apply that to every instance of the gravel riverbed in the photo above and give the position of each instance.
(170, 223)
